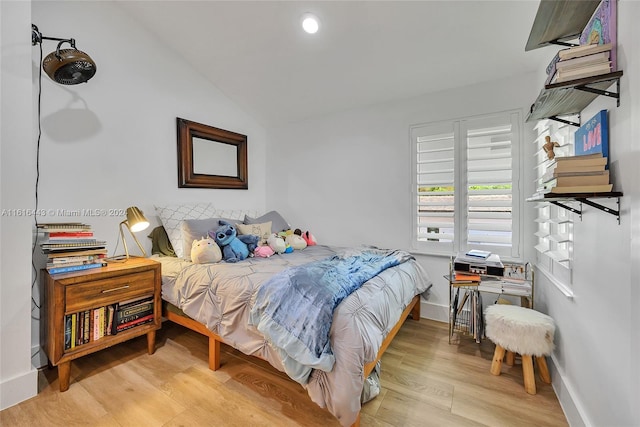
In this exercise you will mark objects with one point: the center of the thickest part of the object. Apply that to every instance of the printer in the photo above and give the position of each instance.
(491, 265)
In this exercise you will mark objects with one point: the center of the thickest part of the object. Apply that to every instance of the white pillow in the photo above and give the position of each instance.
(172, 216)
(261, 230)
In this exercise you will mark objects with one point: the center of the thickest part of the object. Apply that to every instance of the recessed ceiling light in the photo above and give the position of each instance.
(310, 23)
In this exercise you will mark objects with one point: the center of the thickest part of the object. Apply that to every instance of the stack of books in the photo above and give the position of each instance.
(132, 313)
(90, 325)
(505, 285)
(71, 247)
(579, 62)
(576, 174)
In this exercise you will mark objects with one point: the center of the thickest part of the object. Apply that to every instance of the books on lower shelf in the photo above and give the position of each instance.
(594, 161)
(90, 325)
(71, 247)
(567, 180)
(604, 188)
(576, 174)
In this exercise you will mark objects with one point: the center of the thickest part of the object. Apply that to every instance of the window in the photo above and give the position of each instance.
(554, 233)
(465, 181)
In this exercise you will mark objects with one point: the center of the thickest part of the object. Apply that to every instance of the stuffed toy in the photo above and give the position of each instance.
(234, 247)
(277, 243)
(263, 251)
(295, 241)
(548, 147)
(307, 236)
(205, 251)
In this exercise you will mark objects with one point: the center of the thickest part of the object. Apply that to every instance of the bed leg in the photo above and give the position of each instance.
(415, 311)
(214, 354)
(356, 423)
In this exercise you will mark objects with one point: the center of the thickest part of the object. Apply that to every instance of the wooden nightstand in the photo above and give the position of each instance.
(79, 294)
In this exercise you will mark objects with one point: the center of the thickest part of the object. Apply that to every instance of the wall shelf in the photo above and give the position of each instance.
(558, 21)
(586, 198)
(571, 97)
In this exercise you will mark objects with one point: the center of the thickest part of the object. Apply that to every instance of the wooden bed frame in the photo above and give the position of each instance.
(214, 340)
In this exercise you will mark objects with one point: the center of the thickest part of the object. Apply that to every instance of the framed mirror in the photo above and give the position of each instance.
(209, 157)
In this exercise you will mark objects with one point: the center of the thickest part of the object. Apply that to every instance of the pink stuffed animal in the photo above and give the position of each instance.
(308, 237)
(263, 251)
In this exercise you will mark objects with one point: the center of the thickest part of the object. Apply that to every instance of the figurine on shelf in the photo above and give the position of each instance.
(548, 147)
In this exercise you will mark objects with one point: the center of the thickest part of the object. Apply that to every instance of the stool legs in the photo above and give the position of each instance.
(541, 361)
(511, 358)
(527, 367)
(527, 371)
(496, 364)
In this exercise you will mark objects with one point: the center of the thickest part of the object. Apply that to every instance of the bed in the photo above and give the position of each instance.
(223, 300)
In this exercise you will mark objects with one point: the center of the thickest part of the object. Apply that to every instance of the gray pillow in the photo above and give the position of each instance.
(196, 229)
(278, 223)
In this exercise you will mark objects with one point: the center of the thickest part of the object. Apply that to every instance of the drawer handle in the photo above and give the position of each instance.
(105, 291)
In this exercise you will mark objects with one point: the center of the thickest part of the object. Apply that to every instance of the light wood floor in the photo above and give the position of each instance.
(425, 382)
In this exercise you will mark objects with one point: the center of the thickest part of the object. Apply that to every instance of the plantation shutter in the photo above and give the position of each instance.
(465, 183)
(489, 181)
(435, 184)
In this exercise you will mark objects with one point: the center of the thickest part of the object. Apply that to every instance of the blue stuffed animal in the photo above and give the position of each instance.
(234, 247)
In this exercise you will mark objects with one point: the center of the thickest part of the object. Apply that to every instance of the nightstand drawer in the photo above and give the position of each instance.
(96, 293)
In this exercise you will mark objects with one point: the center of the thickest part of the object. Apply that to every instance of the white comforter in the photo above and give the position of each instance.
(221, 296)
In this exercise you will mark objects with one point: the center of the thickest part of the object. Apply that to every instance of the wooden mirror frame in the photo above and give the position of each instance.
(187, 178)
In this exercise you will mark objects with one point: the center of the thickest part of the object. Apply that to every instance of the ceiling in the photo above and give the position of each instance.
(366, 52)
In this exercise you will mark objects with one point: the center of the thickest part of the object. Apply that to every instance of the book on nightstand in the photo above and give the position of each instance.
(71, 247)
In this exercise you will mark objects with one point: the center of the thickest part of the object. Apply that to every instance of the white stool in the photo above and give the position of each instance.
(524, 331)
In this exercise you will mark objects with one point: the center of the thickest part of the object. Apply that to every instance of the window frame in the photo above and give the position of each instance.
(460, 128)
(558, 220)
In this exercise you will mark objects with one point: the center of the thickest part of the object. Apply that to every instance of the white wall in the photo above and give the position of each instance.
(18, 379)
(347, 176)
(107, 144)
(596, 373)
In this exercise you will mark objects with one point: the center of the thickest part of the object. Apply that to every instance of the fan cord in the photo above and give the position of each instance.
(35, 217)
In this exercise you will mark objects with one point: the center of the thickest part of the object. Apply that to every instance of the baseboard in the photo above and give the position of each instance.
(432, 311)
(18, 389)
(571, 406)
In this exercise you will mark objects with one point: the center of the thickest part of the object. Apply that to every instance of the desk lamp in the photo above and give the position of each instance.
(135, 222)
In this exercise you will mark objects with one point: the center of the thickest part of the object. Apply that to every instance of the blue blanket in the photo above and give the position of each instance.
(294, 309)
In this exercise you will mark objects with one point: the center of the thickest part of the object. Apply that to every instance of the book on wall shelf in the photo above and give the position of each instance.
(576, 189)
(581, 61)
(594, 58)
(573, 180)
(593, 136)
(584, 163)
(562, 76)
(583, 50)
